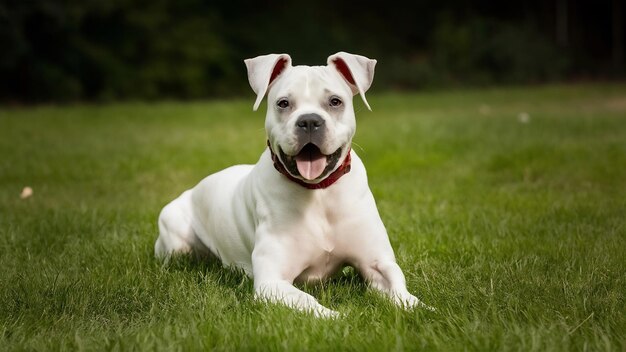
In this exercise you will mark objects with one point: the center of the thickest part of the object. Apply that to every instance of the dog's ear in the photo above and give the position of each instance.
(357, 70)
(263, 70)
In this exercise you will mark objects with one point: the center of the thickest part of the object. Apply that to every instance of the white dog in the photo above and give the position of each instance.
(304, 210)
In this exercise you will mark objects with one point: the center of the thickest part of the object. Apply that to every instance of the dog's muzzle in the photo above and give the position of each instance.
(309, 162)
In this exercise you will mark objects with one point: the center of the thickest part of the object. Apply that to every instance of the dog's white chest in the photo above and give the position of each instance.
(325, 267)
(318, 246)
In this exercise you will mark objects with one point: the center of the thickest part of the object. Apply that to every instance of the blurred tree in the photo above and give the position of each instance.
(59, 50)
(618, 36)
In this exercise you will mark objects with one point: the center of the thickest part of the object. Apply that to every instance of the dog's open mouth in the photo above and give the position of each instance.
(310, 163)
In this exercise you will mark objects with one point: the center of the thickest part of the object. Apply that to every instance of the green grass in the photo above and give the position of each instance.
(515, 231)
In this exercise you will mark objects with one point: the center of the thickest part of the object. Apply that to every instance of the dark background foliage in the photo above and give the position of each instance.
(66, 50)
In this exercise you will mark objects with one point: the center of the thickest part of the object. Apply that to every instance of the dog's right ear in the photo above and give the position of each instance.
(263, 70)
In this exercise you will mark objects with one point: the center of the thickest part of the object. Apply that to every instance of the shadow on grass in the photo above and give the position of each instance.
(209, 268)
(336, 290)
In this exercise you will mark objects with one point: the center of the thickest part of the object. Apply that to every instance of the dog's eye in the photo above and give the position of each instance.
(283, 103)
(334, 101)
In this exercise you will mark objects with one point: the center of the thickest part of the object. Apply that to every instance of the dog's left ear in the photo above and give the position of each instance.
(263, 70)
(357, 70)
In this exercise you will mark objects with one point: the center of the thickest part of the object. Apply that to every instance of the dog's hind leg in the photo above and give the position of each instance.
(176, 234)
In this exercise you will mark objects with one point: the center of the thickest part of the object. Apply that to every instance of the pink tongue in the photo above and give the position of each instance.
(310, 166)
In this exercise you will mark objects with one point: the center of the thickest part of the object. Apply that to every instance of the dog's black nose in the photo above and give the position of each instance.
(310, 122)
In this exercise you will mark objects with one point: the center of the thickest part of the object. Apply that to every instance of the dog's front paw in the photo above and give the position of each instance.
(325, 313)
(410, 302)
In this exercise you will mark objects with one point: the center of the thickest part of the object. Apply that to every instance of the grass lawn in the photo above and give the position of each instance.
(506, 209)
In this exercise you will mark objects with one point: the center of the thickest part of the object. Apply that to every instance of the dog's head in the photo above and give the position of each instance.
(310, 118)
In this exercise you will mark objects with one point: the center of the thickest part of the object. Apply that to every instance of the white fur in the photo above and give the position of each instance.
(276, 231)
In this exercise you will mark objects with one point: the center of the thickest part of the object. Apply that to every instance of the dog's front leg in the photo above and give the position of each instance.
(283, 292)
(386, 277)
(273, 280)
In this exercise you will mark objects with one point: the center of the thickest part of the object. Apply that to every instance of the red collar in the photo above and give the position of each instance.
(343, 169)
